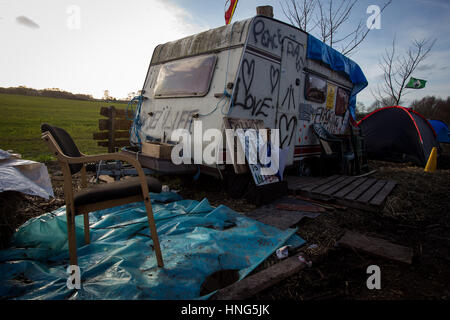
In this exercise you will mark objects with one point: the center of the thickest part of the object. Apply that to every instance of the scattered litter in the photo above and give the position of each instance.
(313, 246)
(26, 176)
(302, 259)
(283, 252)
(165, 188)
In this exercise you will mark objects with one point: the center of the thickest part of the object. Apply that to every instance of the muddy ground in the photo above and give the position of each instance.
(416, 215)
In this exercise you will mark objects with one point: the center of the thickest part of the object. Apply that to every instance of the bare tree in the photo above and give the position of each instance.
(325, 19)
(300, 13)
(398, 68)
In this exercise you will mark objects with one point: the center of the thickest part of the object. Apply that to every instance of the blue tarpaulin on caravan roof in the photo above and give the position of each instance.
(196, 239)
(317, 50)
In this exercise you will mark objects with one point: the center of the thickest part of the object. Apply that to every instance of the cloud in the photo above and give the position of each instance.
(27, 22)
(426, 67)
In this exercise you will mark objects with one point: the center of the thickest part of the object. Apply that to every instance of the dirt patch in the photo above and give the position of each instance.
(416, 215)
(218, 280)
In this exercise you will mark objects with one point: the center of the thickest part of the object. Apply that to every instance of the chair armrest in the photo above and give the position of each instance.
(112, 156)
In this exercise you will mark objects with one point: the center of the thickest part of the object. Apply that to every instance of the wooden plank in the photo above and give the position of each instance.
(280, 219)
(382, 195)
(299, 207)
(360, 189)
(343, 192)
(318, 183)
(112, 130)
(117, 143)
(328, 185)
(120, 113)
(370, 193)
(104, 135)
(339, 186)
(376, 246)
(121, 124)
(325, 204)
(297, 182)
(260, 281)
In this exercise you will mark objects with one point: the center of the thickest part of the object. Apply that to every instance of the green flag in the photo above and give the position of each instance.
(416, 83)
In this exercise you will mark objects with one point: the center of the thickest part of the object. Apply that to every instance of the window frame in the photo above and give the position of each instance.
(169, 94)
(308, 75)
(337, 99)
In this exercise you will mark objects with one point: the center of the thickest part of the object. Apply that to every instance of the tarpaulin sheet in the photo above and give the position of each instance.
(317, 50)
(26, 176)
(196, 241)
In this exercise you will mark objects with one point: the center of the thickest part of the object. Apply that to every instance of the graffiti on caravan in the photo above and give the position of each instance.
(257, 106)
(170, 120)
(323, 115)
(296, 50)
(287, 129)
(268, 38)
(289, 97)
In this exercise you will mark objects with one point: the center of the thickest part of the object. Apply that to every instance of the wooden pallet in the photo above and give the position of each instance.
(362, 193)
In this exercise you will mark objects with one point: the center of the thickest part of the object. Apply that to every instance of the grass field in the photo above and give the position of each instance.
(22, 116)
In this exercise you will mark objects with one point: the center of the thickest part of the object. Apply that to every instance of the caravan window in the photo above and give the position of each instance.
(316, 89)
(342, 101)
(190, 77)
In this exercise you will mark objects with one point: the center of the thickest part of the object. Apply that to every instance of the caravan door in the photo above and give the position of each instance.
(290, 94)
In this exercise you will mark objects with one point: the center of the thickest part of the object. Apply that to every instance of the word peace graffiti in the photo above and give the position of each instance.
(268, 39)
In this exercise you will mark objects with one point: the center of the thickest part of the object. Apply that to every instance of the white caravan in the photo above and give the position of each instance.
(259, 68)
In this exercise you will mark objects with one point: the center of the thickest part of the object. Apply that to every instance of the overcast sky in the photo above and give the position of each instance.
(90, 46)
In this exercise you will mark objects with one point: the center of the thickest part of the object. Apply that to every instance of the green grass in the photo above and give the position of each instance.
(22, 116)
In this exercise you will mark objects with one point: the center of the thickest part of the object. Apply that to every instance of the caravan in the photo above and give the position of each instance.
(260, 69)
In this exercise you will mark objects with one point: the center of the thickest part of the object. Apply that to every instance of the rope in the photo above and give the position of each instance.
(137, 124)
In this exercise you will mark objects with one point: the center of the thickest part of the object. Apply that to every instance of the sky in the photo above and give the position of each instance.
(90, 46)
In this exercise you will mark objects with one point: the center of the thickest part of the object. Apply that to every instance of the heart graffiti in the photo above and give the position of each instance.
(248, 72)
(287, 129)
(274, 77)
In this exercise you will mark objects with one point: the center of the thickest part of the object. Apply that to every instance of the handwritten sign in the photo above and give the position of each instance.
(331, 94)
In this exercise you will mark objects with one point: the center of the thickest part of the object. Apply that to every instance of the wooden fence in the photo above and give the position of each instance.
(115, 129)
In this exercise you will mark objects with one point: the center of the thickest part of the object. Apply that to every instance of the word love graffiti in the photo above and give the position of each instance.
(251, 102)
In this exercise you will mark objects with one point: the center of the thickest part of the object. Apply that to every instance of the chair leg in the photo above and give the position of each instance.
(153, 232)
(87, 239)
(71, 237)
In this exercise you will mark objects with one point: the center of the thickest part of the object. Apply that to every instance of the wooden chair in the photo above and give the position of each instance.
(360, 150)
(99, 197)
(334, 148)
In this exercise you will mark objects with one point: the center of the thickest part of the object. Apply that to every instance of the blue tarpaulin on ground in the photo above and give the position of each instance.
(317, 50)
(196, 241)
